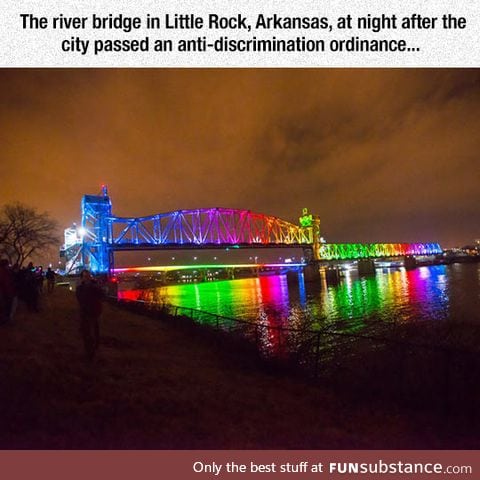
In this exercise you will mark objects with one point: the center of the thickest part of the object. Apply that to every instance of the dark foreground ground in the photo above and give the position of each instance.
(156, 385)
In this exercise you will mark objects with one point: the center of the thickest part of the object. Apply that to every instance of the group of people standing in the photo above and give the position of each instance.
(27, 284)
(24, 284)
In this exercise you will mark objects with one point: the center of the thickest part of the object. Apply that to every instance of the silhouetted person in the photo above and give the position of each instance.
(39, 276)
(50, 276)
(7, 292)
(16, 282)
(30, 287)
(90, 297)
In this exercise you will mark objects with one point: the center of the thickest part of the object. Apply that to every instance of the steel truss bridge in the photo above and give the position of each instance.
(93, 244)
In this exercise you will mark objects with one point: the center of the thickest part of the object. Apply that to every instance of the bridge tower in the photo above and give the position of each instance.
(96, 254)
(311, 226)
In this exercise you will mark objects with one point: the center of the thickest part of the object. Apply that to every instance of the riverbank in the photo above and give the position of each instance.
(157, 385)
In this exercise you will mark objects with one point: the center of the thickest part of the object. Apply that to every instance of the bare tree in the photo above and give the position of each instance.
(25, 232)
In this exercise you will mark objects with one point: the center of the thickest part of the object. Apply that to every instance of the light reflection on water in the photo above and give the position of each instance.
(439, 293)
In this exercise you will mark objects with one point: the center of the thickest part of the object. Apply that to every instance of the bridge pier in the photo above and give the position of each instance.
(332, 275)
(410, 262)
(292, 278)
(311, 273)
(366, 266)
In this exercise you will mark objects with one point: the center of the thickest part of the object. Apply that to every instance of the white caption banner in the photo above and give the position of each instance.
(243, 33)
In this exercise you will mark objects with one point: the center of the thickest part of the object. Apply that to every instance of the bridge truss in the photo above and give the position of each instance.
(206, 227)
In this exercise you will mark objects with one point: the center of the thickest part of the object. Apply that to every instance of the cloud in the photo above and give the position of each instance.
(380, 155)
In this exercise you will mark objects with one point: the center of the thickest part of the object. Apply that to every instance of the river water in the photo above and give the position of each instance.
(407, 336)
(448, 294)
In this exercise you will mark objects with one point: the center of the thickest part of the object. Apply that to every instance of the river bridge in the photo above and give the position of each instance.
(92, 244)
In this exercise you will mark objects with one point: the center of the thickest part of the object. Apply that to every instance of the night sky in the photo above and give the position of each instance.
(380, 155)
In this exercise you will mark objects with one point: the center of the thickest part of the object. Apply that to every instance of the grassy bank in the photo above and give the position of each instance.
(157, 385)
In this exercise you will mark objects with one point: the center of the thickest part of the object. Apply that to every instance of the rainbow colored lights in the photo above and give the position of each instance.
(357, 304)
(101, 233)
(171, 268)
(207, 227)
